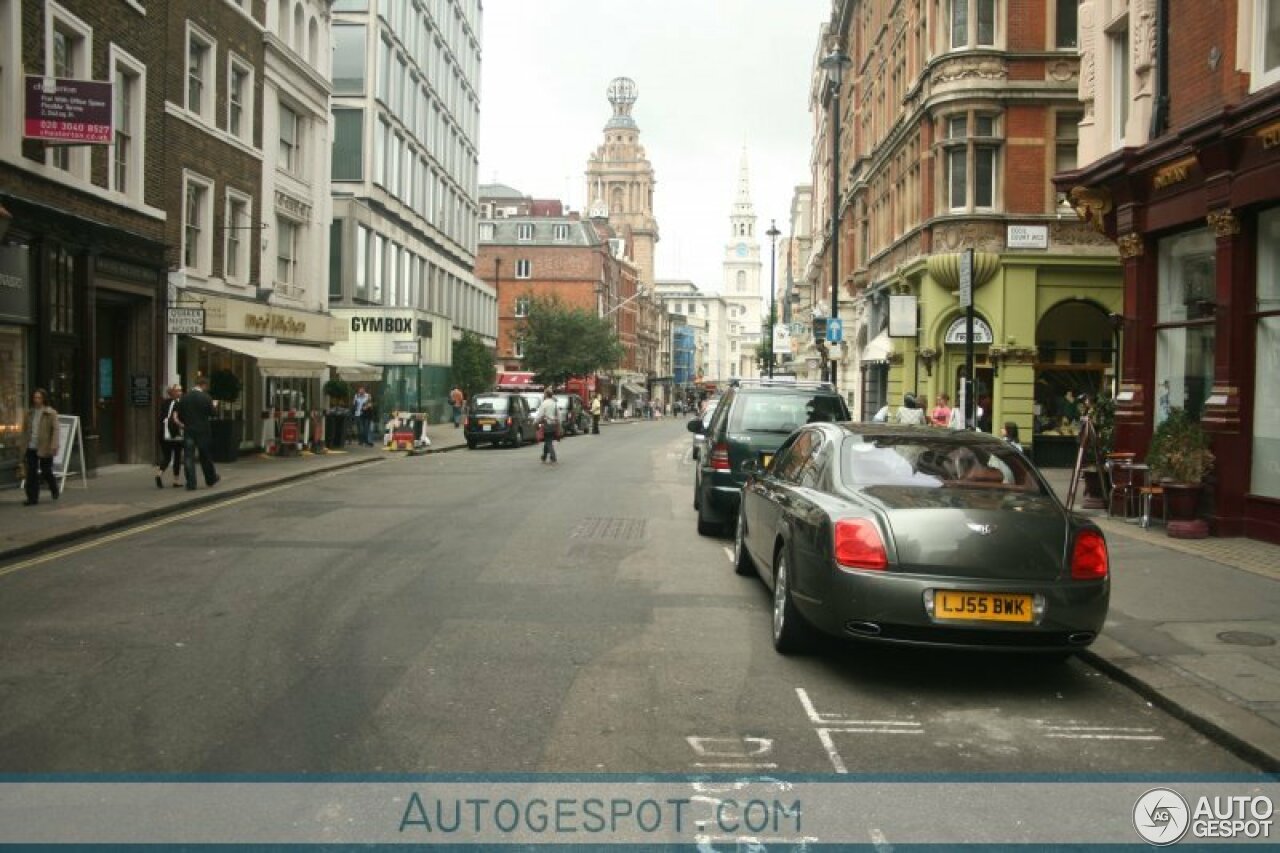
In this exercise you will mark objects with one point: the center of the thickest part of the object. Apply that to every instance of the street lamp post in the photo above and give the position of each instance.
(772, 234)
(834, 63)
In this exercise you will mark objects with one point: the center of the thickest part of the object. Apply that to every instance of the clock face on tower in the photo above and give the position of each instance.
(741, 250)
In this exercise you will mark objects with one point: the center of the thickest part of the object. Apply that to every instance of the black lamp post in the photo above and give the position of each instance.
(772, 234)
(834, 63)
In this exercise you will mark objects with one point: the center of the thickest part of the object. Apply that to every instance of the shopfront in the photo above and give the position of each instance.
(17, 317)
(412, 351)
(280, 369)
(1196, 216)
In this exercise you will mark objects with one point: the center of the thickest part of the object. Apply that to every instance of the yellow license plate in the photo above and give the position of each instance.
(981, 606)
(765, 459)
(486, 422)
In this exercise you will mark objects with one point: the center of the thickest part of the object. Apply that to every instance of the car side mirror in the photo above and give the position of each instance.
(695, 425)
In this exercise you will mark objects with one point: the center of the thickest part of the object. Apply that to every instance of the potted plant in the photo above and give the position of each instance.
(1103, 416)
(1180, 459)
(335, 420)
(224, 387)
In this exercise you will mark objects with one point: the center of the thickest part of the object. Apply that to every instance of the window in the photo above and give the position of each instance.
(486, 230)
(524, 232)
(200, 67)
(1185, 323)
(286, 250)
(1120, 87)
(1064, 23)
(240, 99)
(522, 306)
(973, 23)
(348, 59)
(523, 269)
(1265, 480)
(1266, 41)
(348, 145)
(970, 161)
(68, 52)
(381, 135)
(127, 146)
(1066, 141)
(289, 159)
(197, 223)
(379, 250)
(362, 262)
(518, 348)
(560, 233)
(235, 266)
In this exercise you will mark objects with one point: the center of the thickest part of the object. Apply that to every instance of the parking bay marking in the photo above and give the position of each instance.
(1071, 731)
(733, 753)
(825, 725)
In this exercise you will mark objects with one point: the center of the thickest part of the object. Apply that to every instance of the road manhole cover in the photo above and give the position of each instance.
(1246, 638)
(610, 529)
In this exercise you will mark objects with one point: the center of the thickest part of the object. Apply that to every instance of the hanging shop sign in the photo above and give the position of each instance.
(902, 316)
(17, 296)
(185, 321)
(67, 111)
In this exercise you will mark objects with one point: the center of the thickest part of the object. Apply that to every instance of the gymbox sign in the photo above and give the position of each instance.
(67, 111)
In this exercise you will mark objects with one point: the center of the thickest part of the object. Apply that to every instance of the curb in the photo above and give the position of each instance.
(1198, 707)
(173, 509)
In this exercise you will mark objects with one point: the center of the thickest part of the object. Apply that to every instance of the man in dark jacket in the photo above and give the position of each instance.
(195, 411)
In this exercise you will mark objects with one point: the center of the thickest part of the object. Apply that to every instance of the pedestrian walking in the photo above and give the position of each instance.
(597, 407)
(548, 418)
(170, 435)
(40, 441)
(910, 413)
(362, 411)
(457, 399)
(194, 415)
(941, 415)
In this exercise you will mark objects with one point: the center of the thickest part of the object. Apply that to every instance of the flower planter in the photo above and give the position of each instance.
(1094, 490)
(1183, 503)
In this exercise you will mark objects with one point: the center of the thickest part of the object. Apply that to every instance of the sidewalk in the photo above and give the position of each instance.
(1195, 627)
(121, 495)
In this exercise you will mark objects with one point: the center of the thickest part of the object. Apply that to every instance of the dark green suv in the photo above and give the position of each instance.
(751, 422)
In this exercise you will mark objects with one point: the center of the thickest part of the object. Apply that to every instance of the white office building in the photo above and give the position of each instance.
(708, 315)
(406, 111)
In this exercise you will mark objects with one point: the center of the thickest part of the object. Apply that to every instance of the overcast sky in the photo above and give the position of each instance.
(712, 75)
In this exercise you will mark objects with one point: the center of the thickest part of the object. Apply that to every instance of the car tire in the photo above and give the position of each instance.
(471, 445)
(791, 634)
(705, 527)
(742, 562)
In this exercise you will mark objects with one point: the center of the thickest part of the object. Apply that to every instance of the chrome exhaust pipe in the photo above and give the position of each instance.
(1081, 638)
(866, 629)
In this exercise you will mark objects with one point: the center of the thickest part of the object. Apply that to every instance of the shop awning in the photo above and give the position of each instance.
(354, 371)
(280, 360)
(878, 350)
(633, 390)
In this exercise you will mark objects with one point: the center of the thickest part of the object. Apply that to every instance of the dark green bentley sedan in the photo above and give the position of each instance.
(919, 536)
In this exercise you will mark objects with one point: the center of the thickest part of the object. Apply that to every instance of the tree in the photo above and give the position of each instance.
(473, 368)
(560, 342)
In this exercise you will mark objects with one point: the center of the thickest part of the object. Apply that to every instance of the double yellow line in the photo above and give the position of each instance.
(108, 538)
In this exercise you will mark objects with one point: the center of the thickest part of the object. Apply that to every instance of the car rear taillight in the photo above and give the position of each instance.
(1089, 557)
(720, 457)
(508, 421)
(858, 545)
(466, 422)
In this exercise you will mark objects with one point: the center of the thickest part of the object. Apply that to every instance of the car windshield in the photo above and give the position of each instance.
(489, 404)
(919, 462)
(784, 413)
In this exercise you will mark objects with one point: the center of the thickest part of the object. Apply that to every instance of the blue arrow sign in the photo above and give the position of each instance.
(835, 330)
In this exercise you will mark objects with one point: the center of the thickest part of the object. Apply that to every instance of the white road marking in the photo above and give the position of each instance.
(837, 763)
(878, 841)
(837, 720)
(1072, 736)
(737, 765)
(730, 747)
(728, 552)
(869, 730)
(1140, 729)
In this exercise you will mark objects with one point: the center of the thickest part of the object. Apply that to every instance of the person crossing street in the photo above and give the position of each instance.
(548, 418)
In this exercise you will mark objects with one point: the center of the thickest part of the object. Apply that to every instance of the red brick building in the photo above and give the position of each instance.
(1181, 154)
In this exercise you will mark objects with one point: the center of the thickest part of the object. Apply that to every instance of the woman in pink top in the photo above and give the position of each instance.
(941, 414)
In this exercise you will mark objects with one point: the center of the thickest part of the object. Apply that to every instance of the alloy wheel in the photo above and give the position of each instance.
(780, 598)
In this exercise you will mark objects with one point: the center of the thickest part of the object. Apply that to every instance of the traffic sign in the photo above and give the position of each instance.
(835, 330)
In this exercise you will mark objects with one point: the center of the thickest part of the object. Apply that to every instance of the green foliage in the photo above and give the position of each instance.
(339, 390)
(473, 367)
(224, 386)
(1180, 450)
(561, 342)
(1104, 421)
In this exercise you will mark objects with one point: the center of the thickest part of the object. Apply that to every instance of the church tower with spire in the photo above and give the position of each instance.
(741, 287)
(620, 181)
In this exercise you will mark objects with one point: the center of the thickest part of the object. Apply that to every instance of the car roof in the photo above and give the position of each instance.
(931, 433)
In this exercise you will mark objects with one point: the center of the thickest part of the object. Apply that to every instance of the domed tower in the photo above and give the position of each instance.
(620, 180)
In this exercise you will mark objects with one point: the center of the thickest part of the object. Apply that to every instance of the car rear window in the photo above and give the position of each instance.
(784, 413)
(532, 400)
(489, 405)
(895, 461)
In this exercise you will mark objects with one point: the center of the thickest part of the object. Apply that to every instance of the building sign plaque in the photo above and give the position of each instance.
(67, 111)
(1027, 237)
(186, 321)
(275, 325)
(981, 332)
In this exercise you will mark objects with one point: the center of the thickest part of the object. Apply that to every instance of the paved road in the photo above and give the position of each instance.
(477, 611)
